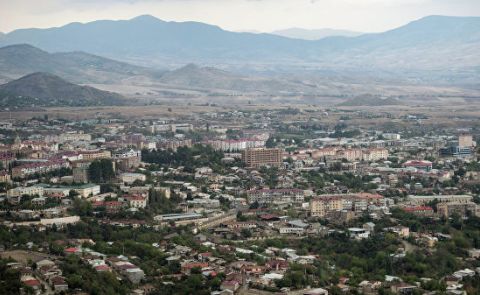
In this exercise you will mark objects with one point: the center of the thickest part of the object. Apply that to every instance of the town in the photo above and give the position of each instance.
(284, 200)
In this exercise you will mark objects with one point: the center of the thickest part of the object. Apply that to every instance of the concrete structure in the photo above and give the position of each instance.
(258, 157)
(130, 178)
(28, 190)
(462, 209)
(421, 200)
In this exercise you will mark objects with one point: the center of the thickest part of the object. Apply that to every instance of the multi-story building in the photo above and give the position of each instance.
(375, 154)
(95, 154)
(127, 159)
(272, 196)
(465, 140)
(27, 190)
(137, 201)
(83, 191)
(320, 206)
(64, 137)
(42, 167)
(132, 177)
(456, 151)
(80, 171)
(5, 177)
(462, 209)
(258, 157)
(6, 158)
(421, 200)
(174, 144)
(235, 145)
(323, 205)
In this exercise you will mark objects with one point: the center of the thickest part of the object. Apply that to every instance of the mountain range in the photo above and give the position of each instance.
(316, 34)
(43, 89)
(422, 49)
(78, 67)
(84, 68)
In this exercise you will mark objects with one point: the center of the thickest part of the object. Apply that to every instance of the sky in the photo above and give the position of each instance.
(236, 15)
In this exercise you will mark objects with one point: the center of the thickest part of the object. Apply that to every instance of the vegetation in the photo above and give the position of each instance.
(101, 171)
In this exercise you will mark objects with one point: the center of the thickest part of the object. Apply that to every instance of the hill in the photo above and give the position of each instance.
(421, 50)
(43, 89)
(306, 34)
(79, 67)
(195, 77)
(368, 100)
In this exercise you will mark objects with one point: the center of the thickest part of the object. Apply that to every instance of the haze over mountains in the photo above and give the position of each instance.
(434, 56)
(420, 50)
(306, 34)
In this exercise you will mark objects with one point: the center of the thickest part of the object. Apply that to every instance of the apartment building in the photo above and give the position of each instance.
(320, 206)
(271, 196)
(42, 167)
(258, 157)
(375, 154)
(95, 154)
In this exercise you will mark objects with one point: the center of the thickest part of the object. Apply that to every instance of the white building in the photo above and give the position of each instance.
(130, 178)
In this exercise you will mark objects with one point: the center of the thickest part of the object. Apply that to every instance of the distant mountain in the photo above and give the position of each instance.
(368, 100)
(79, 67)
(43, 89)
(306, 34)
(431, 44)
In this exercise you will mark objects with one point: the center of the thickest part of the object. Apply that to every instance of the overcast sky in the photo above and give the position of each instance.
(237, 15)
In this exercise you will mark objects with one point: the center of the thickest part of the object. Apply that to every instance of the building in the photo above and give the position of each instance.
(64, 137)
(127, 159)
(130, 178)
(421, 200)
(165, 191)
(375, 154)
(39, 167)
(465, 140)
(28, 190)
(95, 154)
(456, 151)
(420, 210)
(84, 190)
(80, 171)
(235, 145)
(174, 144)
(6, 158)
(5, 177)
(272, 196)
(391, 136)
(320, 206)
(462, 209)
(258, 157)
(420, 165)
(137, 201)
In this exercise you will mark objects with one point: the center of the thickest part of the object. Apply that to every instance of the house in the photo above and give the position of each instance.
(358, 233)
(232, 285)
(59, 284)
(316, 291)
(474, 253)
(136, 201)
(402, 288)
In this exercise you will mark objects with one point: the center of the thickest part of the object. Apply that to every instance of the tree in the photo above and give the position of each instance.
(101, 171)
